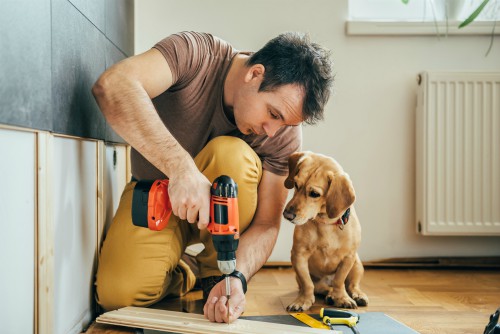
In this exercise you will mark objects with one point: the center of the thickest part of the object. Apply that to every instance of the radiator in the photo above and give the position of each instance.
(458, 154)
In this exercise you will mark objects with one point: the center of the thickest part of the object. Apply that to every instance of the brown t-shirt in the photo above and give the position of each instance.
(192, 108)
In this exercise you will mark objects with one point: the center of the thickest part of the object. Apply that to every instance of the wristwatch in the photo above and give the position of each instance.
(239, 275)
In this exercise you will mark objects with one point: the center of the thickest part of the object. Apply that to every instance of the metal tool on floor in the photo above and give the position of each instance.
(339, 317)
(308, 320)
(493, 327)
(311, 322)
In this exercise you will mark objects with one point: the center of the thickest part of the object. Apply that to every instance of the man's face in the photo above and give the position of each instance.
(265, 112)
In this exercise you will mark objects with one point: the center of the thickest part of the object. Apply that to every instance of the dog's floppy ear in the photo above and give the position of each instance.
(340, 195)
(293, 162)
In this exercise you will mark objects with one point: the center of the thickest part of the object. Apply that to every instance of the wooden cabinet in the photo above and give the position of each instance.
(58, 195)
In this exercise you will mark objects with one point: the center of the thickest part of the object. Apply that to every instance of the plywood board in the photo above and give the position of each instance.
(45, 235)
(17, 240)
(189, 323)
(74, 205)
(115, 180)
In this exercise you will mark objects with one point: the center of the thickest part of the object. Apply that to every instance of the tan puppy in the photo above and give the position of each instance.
(327, 232)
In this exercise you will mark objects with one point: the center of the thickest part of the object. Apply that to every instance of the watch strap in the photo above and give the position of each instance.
(242, 278)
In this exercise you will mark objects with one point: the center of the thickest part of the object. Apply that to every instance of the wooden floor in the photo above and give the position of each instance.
(428, 300)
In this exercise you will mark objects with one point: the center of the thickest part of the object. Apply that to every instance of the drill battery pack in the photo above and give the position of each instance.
(151, 206)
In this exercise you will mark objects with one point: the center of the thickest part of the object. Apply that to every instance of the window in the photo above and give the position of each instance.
(421, 17)
(421, 10)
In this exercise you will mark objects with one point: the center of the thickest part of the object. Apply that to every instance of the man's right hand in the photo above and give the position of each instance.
(189, 192)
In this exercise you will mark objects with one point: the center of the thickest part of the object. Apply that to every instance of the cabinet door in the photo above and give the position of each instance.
(17, 239)
(115, 179)
(74, 207)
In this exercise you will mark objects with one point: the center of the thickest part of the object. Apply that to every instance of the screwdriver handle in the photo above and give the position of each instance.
(351, 322)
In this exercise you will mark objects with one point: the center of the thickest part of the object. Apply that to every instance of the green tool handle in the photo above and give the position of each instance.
(333, 313)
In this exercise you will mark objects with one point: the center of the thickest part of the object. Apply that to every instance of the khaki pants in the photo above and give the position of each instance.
(139, 267)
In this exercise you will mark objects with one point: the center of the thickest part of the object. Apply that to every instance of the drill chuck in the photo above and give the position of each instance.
(227, 267)
(226, 246)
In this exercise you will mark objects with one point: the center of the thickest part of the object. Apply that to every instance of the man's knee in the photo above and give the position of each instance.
(235, 155)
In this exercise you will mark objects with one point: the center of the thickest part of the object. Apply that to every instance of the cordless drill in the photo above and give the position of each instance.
(151, 208)
(224, 226)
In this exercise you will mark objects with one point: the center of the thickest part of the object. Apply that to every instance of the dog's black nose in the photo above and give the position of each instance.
(289, 215)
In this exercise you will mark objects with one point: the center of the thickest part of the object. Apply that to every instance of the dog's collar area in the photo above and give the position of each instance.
(344, 219)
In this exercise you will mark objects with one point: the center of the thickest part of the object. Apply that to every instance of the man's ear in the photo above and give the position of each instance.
(254, 72)
(340, 195)
(294, 161)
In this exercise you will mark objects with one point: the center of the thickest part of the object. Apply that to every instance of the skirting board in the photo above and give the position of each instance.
(470, 262)
(490, 262)
(190, 323)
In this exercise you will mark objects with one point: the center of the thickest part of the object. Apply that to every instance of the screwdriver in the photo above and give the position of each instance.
(228, 295)
(339, 317)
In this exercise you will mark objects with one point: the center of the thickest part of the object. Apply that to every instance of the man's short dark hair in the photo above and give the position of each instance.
(291, 58)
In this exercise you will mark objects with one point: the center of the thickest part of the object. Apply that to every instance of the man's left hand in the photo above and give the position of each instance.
(215, 308)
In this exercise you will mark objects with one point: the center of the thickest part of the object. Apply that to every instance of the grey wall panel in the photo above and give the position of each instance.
(113, 55)
(51, 53)
(25, 63)
(120, 24)
(78, 59)
(93, 10)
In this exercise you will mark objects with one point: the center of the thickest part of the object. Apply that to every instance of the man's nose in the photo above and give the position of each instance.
(271, 128)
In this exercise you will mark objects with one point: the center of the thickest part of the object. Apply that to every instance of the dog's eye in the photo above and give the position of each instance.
(313, 194)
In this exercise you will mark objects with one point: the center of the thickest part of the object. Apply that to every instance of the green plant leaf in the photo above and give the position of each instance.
(473, 16)
(405, 1)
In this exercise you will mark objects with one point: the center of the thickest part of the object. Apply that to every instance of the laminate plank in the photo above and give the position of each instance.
(192, 323)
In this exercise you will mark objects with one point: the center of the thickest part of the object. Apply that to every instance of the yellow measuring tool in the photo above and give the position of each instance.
(311, 322)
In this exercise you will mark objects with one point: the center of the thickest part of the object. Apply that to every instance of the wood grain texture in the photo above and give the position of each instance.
(190, 323)
(45, 235)
(430, 301)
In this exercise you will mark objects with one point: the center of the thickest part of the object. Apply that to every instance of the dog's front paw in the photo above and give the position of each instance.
(302, 303)
(341, 302)
(360, 298)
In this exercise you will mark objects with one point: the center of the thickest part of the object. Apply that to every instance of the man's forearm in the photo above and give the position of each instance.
(131, 113)
(255, 247)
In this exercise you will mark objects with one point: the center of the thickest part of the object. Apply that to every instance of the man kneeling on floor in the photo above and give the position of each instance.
(194, 108)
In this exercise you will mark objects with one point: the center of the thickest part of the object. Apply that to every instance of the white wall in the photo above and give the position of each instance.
(370, 122)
